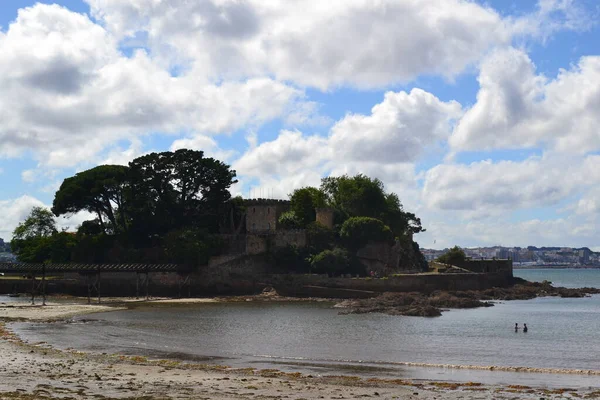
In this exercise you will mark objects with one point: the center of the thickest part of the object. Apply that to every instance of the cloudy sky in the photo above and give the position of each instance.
(483, 116)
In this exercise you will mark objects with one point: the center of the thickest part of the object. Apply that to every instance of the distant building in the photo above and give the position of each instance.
(584, 256)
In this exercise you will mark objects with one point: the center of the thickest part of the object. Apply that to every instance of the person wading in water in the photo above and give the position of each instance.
(516, 327)
(525, 328)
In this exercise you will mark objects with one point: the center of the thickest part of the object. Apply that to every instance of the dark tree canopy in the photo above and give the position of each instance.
(304, 202)
(452, 256)
(170, 190)
(32, 238)
(39, 223)
(357, 232)
(100, 190)
(361, 196)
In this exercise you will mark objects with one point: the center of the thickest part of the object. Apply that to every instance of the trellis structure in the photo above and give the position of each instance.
(93, 272)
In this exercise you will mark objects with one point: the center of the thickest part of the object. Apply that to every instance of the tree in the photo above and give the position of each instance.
(361, 196)
(332, 262)
(232, 216)
(99, 190)
(357, 232)
(357, 196)
(319, 237)
(304, 202)
(288, 220)
(31, 238)
(39, 223)
(191, 247)
(399, 220)
(453, 256)
(171, 190)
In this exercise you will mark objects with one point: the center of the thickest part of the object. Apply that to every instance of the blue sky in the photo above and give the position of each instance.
(481, 115)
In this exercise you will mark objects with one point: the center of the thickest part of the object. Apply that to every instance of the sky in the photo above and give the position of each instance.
(482, 116)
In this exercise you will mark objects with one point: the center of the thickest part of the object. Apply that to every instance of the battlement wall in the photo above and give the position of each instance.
(499, 266)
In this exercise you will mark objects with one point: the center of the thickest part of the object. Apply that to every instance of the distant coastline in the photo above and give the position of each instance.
(554, 266)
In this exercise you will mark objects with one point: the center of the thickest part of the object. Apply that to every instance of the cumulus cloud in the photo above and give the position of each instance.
(14, 211)
(68, 93)
(321, 44)
(359, 43)
(398, 129)
(507, 185)
(396, 132)
(516, 108)
(291, 152)
(562, 231)
(487, 203)
(384, 144)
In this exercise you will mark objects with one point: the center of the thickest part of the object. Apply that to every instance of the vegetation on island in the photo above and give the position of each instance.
(453, 256)
(172, 207)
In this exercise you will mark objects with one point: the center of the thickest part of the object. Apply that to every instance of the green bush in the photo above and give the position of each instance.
(191, 248)
(288, 220)
(319, 237)
(453, 256)
(357, 232)
(289, 259)
(332, 262)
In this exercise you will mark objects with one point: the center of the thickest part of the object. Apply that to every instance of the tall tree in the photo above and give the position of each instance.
(100, 190)
(170, 190)
(304, 202)
(361, 196)
(32, 238)
(39, 223)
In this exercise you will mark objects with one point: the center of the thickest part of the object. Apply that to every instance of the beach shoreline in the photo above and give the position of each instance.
(37, 370)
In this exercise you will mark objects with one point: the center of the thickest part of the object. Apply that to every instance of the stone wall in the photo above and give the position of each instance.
(238, 275)
(322, 286)
(262, 214)
(247, 274)
(483, 266)
(386, 260)
(257, 243)
(261, 218)
(260, 243)
(291, 237)
(325, 217)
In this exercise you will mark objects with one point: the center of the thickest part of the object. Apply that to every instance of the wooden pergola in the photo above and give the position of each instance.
(93, 273)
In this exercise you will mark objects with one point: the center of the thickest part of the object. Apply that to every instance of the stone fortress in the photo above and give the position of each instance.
(262, 231)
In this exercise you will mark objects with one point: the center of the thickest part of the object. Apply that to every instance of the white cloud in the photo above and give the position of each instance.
(290, 153)
(564, 231)
(14, 211)
(397, 130)
(206, 144)
(359, 43)
(29, 175)
(68, 93)
(310, 42)
(508, 185)
(384, 144)
(516, 108)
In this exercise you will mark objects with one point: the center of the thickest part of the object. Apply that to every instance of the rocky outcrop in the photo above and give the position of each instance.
(384, 259)
(432, 305)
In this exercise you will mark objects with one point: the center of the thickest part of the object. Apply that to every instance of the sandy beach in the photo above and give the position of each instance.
(34, 370)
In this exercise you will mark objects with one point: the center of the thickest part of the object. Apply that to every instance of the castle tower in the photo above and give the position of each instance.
(325, 217)
(262, 214)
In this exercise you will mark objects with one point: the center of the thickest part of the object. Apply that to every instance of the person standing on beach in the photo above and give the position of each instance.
(525, 328)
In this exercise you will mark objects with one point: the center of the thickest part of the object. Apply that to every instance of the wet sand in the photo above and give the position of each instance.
(33, 370)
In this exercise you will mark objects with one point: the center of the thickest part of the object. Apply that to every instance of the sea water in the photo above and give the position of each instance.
(563, 334)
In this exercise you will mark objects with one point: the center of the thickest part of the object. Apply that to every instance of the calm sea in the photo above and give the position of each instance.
(313, 337)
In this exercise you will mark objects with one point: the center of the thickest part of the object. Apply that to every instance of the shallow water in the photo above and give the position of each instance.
(314, 337)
